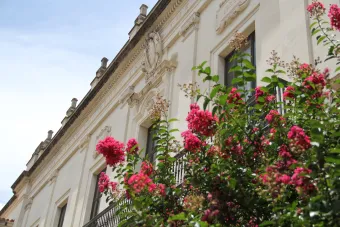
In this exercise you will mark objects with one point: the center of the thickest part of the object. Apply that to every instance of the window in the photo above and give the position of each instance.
(150, 145)
(250, 49)
(62, 215)
(96, 197)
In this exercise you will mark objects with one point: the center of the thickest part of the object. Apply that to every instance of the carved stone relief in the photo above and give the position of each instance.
(228, 11)
(152, 54)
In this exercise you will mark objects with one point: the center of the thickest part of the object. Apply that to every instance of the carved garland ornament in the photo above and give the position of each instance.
(152, 54)
(228, 11)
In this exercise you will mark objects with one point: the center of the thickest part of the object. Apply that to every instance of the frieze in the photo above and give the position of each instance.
(228, 11)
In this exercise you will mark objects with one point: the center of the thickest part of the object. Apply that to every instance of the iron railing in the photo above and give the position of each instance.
(108, 217)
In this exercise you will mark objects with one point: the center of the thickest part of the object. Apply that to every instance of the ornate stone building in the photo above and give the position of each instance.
(58, 187)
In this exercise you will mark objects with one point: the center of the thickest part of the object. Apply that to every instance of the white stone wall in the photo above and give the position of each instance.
(190, 35)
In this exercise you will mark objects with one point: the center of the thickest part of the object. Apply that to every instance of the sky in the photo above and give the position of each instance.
(49, 53)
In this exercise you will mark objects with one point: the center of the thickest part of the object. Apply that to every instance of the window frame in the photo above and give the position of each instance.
(96, 197)
(150, 145)
(252, 43)
(62, 215)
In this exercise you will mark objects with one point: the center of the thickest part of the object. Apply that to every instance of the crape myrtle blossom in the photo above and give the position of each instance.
(200, 121)
(191, 142)
(146, 168)
(132, 146)
(259, 93)
(334, 16)
(299, 141)
(104, 183)
(316, 9)
(112, 150)
(141, 182)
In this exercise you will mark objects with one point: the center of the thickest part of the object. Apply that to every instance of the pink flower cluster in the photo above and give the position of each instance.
(112, 150)
(200, 121)
(302, 182)
(334, 16)
(209, 215)
(289, 92)
(142, 182)
(132, 143)
(147, 168)
(259, 93)
(299, 141)
(316, 9)
(191, 142)
(273, 117)
(104, 183)
(234, 97)
(317, 79)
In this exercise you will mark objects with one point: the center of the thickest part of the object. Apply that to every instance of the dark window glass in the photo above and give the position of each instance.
(62, 215)
(96, 197)
(250, 49)
(150, 145)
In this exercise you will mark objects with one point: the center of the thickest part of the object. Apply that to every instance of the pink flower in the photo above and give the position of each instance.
(285, 179)
(200, 121)
(283, 152)
(139, 182)
(273, 117)
(112, 150)
(104, 183)
(299, 140)
(316, 9)
(161, 188)
(259, 93)
(289, 92)
(334, 16)
(147, 168)
(301, 182)
(130, 144)
(234, 97)
(191, 142)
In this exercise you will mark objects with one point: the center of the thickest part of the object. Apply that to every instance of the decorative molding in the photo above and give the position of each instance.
(155, 80)
(228, 11)
(190, 25)
(153, 51)
(126, 94)
(28, 204)
(84, 142)
(54, 176)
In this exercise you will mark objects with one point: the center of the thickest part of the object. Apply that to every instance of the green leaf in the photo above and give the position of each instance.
(202, 224)
(178, 217)
(236, 80)
(312, 25)
(214, 91)
(248, 64)
(235, 68)
(335, 151)
(207, 70)
(223, 99)
(174, 130)
(315, 31)
(173, 119)
(266, 223)
(334, 159)
(206, 102)
(337, 69)
(232, 183)
(266, 79)
(320, 39)
(215, 78)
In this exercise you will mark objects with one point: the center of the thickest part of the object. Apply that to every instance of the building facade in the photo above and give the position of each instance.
(59, 186)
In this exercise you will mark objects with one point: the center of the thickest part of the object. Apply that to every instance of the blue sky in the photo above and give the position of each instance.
(49, 53)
